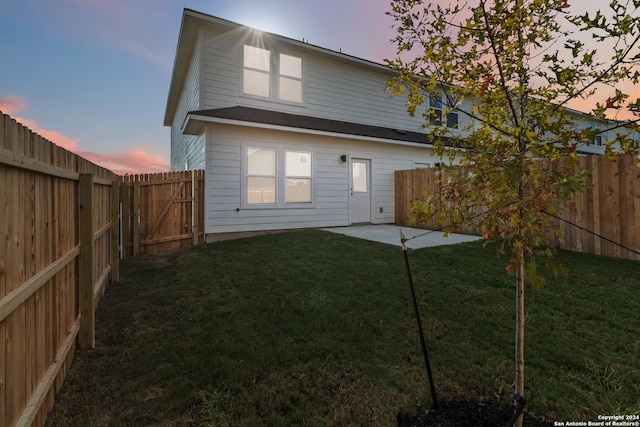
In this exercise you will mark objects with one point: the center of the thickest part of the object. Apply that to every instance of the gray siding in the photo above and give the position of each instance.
(332, 88)
(188, 149)
(225, 211)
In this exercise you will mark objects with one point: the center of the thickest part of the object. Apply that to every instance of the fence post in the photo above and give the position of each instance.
(195, 206)
(115, 231)
(135, 226)
(87, 230)
(125, 216)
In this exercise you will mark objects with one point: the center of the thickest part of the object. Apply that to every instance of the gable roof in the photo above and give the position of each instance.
(240, 115)
(191, 22)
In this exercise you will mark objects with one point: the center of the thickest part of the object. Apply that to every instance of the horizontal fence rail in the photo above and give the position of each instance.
(58, 251)
(162, 211)
(64, 225)
(606, 213)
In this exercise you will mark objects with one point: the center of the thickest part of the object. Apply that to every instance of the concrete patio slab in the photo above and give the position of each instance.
(390, 234)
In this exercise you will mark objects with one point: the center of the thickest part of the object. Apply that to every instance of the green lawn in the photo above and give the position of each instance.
(314, 328)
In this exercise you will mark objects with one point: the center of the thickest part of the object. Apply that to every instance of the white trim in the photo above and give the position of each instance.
(422, 164)
(281, 178)
(273, 73)
(370, 174)
(311, 177)
(245, 176)
(195, 15)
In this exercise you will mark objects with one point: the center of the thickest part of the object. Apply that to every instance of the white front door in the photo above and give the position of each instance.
(360, 192)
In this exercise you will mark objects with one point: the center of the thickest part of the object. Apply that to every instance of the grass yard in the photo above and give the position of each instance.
(313, 328)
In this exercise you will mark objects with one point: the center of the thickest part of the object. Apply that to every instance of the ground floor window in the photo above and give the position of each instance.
(278, 177)
(261, 176)
(298, 177)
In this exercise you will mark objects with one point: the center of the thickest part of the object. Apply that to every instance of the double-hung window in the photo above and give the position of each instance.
(278, 178)
(435, 112)
(290, 81)
(257, 71)
(261, 176)
(596, 139)
(270, 74)
(298, 177)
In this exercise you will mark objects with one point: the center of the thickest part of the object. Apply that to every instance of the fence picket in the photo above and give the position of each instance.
(5, 193)
(38, 298)
(165, 211)
(609, 206)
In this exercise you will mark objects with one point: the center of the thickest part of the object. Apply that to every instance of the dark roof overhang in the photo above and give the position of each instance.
(277, 119)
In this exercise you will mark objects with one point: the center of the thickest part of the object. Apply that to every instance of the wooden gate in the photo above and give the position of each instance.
(161, 211)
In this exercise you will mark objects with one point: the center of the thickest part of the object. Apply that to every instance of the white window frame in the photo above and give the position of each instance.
(268, 73)
(246, 176)
(422, 165)
(280, 177)
(597, 139)
(310, 177)
(290, 78)
(274, 76)
(436, 114)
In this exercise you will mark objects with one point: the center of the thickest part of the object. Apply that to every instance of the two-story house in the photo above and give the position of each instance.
(291, 135)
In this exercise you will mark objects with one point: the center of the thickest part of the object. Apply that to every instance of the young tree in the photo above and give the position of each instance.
(511, 67)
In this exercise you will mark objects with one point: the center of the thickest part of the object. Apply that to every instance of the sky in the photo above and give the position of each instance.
(93, 75)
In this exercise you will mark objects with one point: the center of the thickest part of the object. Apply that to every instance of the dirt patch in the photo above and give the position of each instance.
(467, 413)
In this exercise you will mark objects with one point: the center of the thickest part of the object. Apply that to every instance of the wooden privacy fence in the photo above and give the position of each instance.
(609, 207)
(58, 250)
(162, 211)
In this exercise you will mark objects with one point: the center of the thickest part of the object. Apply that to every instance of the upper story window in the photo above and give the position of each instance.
(257, 71)
(435, 113)
(290, 81)
(271, 75)
(597, 138)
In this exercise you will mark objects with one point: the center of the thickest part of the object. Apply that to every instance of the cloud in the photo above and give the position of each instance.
(12, 104)
(604, 92)
(133, 161)
(122, 25)
(120, 10)
(138, 49)
(64, 141)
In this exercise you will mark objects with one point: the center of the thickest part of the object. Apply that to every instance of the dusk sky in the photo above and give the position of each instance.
(93, 75)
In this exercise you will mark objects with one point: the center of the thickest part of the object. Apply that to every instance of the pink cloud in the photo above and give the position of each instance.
(12, 104)
(587, 105)
(133, 161)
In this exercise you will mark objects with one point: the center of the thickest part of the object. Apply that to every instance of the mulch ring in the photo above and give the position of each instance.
(467, 413)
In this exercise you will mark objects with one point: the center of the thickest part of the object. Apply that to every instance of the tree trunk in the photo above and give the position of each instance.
(519, 353)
